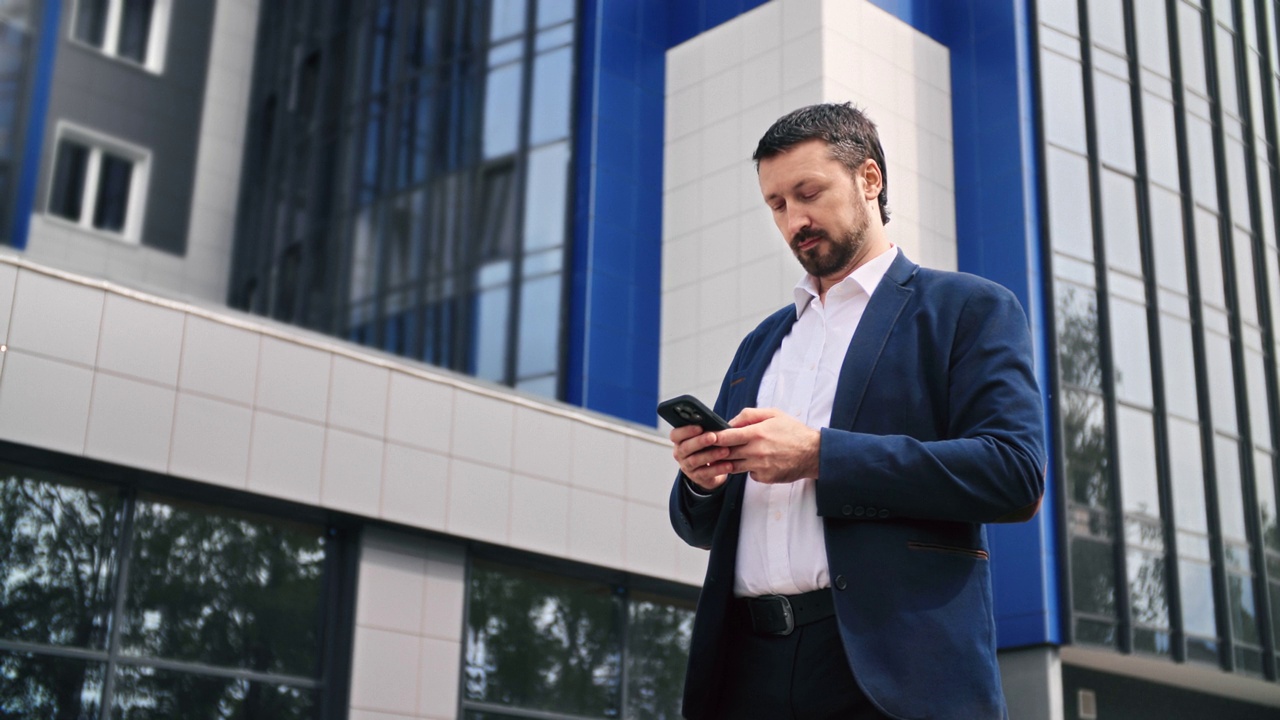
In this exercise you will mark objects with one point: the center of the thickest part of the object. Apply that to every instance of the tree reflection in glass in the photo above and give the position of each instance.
(256, 607)
(657, 653)
(42, 686)
(144, 693)
(543, 642)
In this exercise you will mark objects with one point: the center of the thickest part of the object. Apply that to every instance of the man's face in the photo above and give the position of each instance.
(819, 207)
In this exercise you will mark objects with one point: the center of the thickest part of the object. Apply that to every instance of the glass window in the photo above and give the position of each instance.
(1058, 14)
(1179, 366)
(112, 203)
(1120, 223)
(1204, 184)
(539, 325)
(1228, 92)
(1222, 389)
(1153, 35)
(1148, 601)
(506, 18)
(66, 195)
(1085, 439)
(1078, 353)
(132, 30)
(1131, 358)
(1191, 46)
(1106, 24)
(1246, 293)
(1197, 599)
(1187, 468)
(1071, 223)
(657, 653)
(1093, 579)
(1062, 93)
(1137, 452)
(1230, 497)
(1114, 121)
(1209, 260)
(554, 12)
(545, 191)
(98, 184)
(1161, 140)
(552, 96)
(1167, 242)
(203, 593)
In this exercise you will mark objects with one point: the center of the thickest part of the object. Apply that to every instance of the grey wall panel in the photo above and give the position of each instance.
(158, 112)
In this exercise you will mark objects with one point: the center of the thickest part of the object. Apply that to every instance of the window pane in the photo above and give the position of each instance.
(1230, 498)
(1070, 224)
(552, 96)
(1191, 45)
(1153, 35)
(539, 326)
(506, 18)
(1147, 590)
(1063, 95)
(1136, 436)
(1167, 242)
(114, 177)
(1227, 90)
(489, 344)
(545, 201)
(1161, 140)
(1106, 24)
(1061, 15)
(1093, 577)
(1131, 358)
(551, 12)
(91, 21)
(66, 194)
(231, 591)
(40, 686)
(1197, 599)
(502, 111)
(657, 652)
(1179, 366)
(1120, 223)
(1255, 377)
(1209, 260)
(541, 642)
(1078, 353)
(1084, 430)
(144, 693)
(1200, 149)
(1187, 468)
(1115, 121)
(1244, 620)
(58, 561)
(135, 29)
(1222, 389)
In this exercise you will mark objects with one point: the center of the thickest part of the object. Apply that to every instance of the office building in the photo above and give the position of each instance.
(331, 333)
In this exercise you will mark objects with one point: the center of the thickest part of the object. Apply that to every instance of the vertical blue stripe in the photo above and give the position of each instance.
(33, 142)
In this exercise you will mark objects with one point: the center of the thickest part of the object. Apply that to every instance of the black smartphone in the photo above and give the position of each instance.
(688, 410)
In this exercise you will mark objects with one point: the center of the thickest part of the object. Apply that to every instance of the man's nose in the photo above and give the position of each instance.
(797, 220)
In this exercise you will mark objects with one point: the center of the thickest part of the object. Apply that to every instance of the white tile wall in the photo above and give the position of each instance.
(210, 441)
(539, 515)
(483, 429)
(44, 402)
(219, 360)
(358, 396)
(409, 614)
(293, 380)
(541, 447)
(596, 525)
(420, 412)
(56, 320)
(415, 487)
(479, 501)
(131, 422)
(352, 472)
(285, 457)
(140, 339)
(715, 227)
(8, 283)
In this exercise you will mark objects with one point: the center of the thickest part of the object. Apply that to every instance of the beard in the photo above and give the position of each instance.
(838, 253)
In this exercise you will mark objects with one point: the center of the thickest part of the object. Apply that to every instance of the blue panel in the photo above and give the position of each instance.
(46, 48)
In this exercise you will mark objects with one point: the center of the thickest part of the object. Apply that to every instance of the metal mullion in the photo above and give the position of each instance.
(1217, 565)
(1121, 577)
(520, 712)
(73, 653)
(226, 673)
(1066, 626)
(385, 192)
(1226, 230)
(1261, 287)
(120, 587)
(1164, 478)
(567, 244)
(467, 147)
(519, 181)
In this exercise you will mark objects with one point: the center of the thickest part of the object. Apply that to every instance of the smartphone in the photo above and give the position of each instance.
(688, 410)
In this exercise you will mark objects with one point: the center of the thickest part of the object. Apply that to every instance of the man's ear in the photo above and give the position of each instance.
(872, 180)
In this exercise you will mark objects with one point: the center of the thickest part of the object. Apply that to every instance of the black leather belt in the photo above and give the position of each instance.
(782, 614)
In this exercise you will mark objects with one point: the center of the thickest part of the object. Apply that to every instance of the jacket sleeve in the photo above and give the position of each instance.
(990, 466)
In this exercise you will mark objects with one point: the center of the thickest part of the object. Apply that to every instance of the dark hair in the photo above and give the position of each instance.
(848, 132)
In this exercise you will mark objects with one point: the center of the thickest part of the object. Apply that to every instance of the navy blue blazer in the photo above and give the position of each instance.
(937, 429)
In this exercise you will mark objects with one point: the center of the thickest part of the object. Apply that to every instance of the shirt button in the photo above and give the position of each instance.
(858, 512)
(847, 510)
(841, 583)
(883, 513)
(871, 512)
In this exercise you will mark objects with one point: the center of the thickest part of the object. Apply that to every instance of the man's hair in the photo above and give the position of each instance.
(849, 134)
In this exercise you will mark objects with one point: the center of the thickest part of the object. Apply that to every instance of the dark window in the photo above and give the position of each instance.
(91, 21)
(119, 605)
(112, 206)
(66, 195)
(135, 30)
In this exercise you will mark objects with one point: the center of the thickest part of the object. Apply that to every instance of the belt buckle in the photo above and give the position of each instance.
(787, 614)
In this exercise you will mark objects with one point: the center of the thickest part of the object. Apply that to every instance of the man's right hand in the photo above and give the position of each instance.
(700, 459)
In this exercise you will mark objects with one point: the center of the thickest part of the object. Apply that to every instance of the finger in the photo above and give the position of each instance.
(751, 416)
(684, 432)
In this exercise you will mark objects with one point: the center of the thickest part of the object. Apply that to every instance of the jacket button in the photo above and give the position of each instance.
(883, 513)
(847, 509)
(840, 582)
(859, 512)
(871, 512)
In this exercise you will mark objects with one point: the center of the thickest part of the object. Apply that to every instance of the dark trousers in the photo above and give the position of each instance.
(801, 676)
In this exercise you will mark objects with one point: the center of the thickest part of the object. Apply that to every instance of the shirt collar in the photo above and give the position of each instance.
(865, 279)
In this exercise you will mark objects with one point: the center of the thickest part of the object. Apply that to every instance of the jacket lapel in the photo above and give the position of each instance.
(868, 341)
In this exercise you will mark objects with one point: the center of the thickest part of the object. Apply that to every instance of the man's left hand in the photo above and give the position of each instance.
(771, 445)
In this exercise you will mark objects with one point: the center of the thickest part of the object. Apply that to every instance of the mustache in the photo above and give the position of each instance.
(808, 234)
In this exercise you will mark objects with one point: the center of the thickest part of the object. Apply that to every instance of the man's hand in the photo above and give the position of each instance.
(701, 460)
(771, 445)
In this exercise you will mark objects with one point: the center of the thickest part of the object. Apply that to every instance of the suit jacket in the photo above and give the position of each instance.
(937, 429)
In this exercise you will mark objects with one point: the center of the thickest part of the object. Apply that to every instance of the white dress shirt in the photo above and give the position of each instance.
(781, 550)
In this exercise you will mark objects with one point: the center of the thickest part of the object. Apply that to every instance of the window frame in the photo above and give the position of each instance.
(98, 143)
(157, 34)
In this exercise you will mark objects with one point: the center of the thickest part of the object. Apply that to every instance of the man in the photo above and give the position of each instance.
(877, 423)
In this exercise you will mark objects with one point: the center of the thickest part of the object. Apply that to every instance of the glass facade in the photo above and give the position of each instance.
(543, 645)
(1159, 130)
(407, 180)
(121, 605)
(18, 40)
